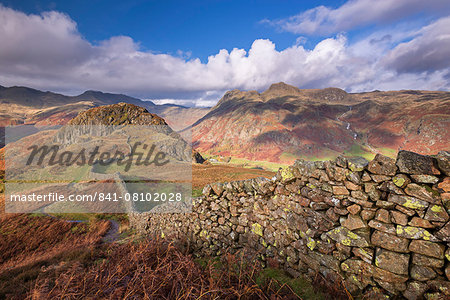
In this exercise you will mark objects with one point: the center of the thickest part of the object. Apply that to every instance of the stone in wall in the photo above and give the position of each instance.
(378, 227)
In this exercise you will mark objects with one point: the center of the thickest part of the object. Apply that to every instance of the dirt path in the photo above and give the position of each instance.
(113, 233)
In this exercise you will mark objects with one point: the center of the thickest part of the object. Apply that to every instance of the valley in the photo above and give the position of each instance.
(246, 136)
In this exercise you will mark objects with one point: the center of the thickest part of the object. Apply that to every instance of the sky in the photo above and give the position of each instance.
(191, 52)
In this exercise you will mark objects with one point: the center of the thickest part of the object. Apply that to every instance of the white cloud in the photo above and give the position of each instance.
(355, 13)
(187, 102)
(48, 52)
(429, 51)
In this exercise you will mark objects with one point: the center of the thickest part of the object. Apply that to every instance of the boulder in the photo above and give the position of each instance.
(445, 185)
(366, 254)
(388, 228)
(409, 202)
(415, 290)
(382, 215)
(401, 180)
(419, 222)
(399, 218)
(340, 190)
(354, 209)
(425, 179)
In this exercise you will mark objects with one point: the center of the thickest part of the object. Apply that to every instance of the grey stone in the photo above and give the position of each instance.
(422, 273)
(443, 160)
(427, 248)
(413, 163)
(423, 260)
(390, 242)
(391, 261)
(382, 165)
(347, 237)
(357, 163)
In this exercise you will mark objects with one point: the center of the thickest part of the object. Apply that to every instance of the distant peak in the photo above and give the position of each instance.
(281, 86)
(238, 95)
(332, 95)
(91, 92)
(281, 89)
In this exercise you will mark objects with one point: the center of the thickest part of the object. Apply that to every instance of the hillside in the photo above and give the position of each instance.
(22, 105)
(284, 123)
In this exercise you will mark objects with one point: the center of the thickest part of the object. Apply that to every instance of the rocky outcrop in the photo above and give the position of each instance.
(197, 158)
(117, 114)
(379, 227)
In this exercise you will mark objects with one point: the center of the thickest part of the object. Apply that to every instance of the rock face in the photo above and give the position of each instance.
(387, 234)
(197, 157)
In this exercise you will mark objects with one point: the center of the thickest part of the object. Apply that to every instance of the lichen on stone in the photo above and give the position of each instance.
(311, 243)
(257, 229)
(398, 181)
(436, 208)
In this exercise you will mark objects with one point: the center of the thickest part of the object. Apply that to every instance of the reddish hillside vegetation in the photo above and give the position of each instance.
(285, 123)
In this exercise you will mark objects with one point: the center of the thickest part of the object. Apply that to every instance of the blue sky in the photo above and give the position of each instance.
(191, 52)
(199, 27)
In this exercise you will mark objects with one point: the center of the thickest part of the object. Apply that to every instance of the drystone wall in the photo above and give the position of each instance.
(379, 227)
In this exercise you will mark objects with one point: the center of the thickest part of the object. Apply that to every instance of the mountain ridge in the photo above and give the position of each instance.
(32, 106)
(284, 123)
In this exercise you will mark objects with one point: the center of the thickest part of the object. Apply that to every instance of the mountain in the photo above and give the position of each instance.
(115, 151)
(22, 105)
(284, 123)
